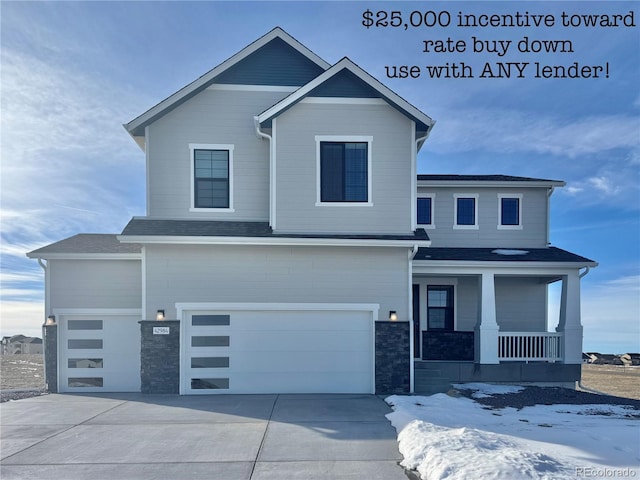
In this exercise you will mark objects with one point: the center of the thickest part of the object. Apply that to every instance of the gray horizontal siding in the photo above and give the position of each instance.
(521, 304)
(534, 219)
(212, 117)
(95, 283)
(296, 209)
(200, 273)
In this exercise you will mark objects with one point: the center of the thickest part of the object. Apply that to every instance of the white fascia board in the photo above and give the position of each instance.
(251, 88)
(278, 307)
(87, 256)
(488, 183)
(438, 267)
(347, 64)
(97, 311)
(281, 241)
(211, 74)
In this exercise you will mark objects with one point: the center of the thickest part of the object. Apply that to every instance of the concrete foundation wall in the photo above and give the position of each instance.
(511, 372)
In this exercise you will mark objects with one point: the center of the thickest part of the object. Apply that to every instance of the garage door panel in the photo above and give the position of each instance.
(112, 365)
(309, 362)
(302, 341)
(329, 382)
(280, 351)
(294, 321)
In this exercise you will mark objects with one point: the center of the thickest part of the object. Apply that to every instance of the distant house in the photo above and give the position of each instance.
(630, 359)
(593, 356)
(606, 359)
(19, 344)
(290, 246)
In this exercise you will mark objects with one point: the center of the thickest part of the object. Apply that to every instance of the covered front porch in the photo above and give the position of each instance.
(481, 321)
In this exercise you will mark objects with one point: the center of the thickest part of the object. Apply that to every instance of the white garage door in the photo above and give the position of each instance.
(277, 351)
(99, 352)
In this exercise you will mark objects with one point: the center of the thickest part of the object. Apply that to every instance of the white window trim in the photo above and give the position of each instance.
(456, 196)
(510, 195)
(436, 281)
(432, 225)
(210, 146)
(344, 138)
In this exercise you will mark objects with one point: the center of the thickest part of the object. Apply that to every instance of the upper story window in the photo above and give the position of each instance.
(424, 210)
(509, 211)
(344, 170)
(211, 179)
(465, 211)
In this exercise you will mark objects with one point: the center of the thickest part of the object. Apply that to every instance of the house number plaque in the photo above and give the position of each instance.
(161, 330)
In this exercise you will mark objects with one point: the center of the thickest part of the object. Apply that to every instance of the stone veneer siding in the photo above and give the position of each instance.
(393, 357)
(448, 346)
(50, 343)
(160, 357)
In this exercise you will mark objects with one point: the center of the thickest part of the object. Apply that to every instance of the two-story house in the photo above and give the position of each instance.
(289, 245)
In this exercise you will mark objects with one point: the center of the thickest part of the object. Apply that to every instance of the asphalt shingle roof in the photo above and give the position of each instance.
(550, 254)
(197, 228)
(480, 178)
(92, 243)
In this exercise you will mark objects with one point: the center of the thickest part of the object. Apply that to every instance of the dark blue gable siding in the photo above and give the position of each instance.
(344, 84)
(276, 63)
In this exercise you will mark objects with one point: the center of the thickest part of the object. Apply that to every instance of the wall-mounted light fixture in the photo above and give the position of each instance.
(51, 320)
(393, 316)
(160, 315)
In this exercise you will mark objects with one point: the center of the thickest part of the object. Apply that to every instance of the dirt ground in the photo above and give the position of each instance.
(21, 372)
(27, 372)
(613, 380)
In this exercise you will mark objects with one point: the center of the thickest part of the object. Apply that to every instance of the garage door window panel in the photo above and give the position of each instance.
(209, 362)
(85, 363)
(210, 383)
(210, 320)
(84, 344)
(210, 341)
(87, 382)
(84, 324)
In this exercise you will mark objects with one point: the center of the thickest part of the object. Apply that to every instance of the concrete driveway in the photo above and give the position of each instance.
(133, 436)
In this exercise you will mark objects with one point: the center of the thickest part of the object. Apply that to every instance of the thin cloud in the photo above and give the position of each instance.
(49, 107)
(25, 317)
(509, 131)
(610, 314)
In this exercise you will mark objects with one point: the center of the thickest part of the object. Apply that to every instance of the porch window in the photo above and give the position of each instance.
(510, 211)
(212, 181)
(344, 170)
(440, 307)
(466, 211)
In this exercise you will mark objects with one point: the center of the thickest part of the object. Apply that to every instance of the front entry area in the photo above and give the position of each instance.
(434, 310)
(273, 348)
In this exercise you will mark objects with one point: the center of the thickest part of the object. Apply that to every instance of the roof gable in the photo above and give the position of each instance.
(239, 69)
(275, 63)
(345, 78)
(344, 84)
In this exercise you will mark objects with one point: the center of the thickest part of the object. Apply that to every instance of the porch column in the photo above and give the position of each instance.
(486, 331)
(570, 324)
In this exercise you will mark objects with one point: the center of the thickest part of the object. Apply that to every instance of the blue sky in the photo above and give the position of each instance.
(74, 72)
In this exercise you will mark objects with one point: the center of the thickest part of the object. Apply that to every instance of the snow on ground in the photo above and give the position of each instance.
(455, 438)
